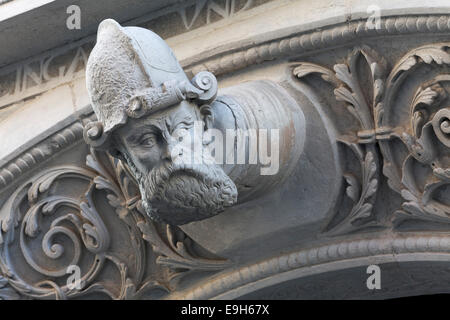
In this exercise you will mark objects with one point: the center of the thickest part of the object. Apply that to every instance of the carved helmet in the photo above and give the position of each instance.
(132, 72)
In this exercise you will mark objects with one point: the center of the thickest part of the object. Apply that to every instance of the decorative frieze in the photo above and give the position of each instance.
(364, 171)
(88, 217)
(411, 129)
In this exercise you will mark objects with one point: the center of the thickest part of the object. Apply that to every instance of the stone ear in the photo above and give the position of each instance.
(207, 116)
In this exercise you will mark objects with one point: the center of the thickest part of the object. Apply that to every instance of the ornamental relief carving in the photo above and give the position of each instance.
(393, 136)
(92, 218)
(402, 116)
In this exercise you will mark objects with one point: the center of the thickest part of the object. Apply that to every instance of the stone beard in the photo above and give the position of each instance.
(184, 192)
(132, 75)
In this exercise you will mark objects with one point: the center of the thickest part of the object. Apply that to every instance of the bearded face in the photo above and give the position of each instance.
(174, 188)
(181, 193)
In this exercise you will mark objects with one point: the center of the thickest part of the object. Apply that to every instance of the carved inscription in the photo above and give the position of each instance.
(32, 78)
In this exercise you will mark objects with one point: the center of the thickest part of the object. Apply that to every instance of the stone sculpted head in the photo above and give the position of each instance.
(148, 115)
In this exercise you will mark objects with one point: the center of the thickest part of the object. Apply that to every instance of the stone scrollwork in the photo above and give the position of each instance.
(360, 152)
(118, 219)
(20, 227)
(424, 171)
(348, 82)
(403, 130)
(52, 229)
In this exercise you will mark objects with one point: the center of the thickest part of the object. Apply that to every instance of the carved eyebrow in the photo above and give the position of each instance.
(187, 121)
(134, 139)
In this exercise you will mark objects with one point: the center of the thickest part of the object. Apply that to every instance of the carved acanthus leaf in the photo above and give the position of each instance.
(40, 213)
(303, 69)
(425, 54)
(349, 88)
(422, 176)
(176, 252)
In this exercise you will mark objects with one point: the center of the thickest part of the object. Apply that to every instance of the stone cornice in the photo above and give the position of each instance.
(305, 42)
(391, 248)
(63, 137)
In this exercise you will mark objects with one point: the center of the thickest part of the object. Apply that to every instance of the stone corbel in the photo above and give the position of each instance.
(262, 127)
(361, 177)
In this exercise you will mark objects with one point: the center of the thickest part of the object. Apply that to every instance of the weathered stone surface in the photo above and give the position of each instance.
(360, 176)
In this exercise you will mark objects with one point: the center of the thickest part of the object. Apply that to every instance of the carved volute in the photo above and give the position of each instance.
(280, 168)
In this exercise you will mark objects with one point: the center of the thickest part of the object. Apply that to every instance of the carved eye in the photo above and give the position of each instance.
(180, 134)
(148, 140)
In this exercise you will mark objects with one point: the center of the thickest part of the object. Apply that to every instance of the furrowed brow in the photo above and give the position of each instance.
(187, 121)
